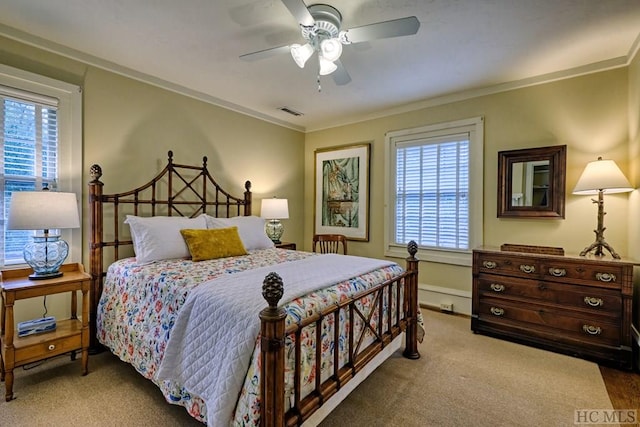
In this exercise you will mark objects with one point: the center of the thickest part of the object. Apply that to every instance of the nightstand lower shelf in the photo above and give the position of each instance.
(67, 337)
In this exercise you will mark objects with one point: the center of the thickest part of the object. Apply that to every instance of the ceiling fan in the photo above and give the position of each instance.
(321, 27)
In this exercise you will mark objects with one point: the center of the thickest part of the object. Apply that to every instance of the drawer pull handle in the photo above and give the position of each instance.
(52, 347)
(497, 311)
(497, 287)
(593, 301)
(489, 264)
(606, 277)
(527, 268)
(592, 330)
(557, 272)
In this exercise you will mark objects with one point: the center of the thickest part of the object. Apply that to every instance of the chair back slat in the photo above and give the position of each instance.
(330, 243)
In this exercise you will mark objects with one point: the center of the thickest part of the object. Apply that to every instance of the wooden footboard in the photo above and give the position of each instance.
(274, 334)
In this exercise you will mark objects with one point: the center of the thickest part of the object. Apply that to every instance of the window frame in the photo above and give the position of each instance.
(475, 128)
(69, 142)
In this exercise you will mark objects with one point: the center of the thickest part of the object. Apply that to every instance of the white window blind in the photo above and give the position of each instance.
(29, 157)
(40, 144)
(434, 192)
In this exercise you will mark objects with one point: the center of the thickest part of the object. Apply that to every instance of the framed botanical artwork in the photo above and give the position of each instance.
(342, 191)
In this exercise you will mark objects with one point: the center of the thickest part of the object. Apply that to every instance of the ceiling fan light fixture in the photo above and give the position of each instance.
(301, 54)
(326, 66)
(321, 28)
(331, 49)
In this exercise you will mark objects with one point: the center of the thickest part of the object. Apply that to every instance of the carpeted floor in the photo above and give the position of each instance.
(462, 379)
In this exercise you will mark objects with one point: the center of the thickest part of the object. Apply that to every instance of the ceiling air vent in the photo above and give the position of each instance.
(290, 111)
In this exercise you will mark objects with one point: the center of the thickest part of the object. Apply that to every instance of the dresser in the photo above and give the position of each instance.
(581, 306)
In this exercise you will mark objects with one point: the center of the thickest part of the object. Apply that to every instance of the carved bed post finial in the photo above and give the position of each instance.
(247, 198)
(95, 172)
(412, 248)
(272, 289)
(272, 333)
(170, 157)
(204, 162)
(411, 295)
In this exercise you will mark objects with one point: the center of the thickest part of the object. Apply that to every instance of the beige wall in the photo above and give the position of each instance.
(634, 177)
(588, 114)
(129, 126)
(634, 155)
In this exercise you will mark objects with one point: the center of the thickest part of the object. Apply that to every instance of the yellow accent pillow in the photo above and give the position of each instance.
(215, 243)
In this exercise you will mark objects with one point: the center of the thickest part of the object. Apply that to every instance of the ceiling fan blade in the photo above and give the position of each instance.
(266, 53)
(394, 28)
(299, 11)
(340, 75)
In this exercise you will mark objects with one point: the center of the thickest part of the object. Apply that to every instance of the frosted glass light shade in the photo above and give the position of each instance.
(301, 54)
(44, 210)
(331, 49)
(326, 67)
(602, 175)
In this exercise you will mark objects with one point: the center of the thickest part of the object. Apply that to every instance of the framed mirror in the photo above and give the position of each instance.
(531, 182)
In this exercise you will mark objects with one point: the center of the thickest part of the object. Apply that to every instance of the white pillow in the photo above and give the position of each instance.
(250, 228)
(158, 237)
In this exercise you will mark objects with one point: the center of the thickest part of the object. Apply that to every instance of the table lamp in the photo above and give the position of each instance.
(44, 210)
(599, 177)
(273, 210)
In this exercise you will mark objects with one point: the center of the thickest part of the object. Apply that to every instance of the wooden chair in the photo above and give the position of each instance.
(329, 243)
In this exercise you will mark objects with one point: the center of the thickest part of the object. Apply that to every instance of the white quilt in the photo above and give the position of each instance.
(216, 330)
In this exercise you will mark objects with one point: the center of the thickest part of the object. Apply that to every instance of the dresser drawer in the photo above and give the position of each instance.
(589, 299)
(45, 348)
(595, 329)
(508, 265)
(607, 275)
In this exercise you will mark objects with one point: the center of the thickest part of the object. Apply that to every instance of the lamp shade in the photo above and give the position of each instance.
(326, 66)
(274, 208)
(602, 175)
(331, 49)
(42, 210)
(301, 53)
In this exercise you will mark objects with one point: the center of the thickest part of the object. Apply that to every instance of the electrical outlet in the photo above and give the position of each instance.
(448, 307)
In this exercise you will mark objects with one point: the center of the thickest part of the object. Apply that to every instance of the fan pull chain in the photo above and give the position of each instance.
(319, 86)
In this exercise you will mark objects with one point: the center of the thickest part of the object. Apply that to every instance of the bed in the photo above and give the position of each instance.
(240, 332)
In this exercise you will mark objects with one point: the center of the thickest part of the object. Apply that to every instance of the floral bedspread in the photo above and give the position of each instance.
(140, 303)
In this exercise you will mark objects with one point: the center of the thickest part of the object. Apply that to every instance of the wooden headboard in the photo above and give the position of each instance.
(178, 190)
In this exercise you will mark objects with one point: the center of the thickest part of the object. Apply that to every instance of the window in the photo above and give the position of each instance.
(40, 146)
(435, 188)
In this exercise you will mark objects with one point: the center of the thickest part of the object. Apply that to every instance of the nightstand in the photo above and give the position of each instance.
(286, 245)
(70, 334)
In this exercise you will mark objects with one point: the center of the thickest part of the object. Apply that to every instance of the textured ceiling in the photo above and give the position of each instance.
(462, 45)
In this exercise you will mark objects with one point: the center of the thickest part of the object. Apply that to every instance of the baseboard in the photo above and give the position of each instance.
(432, 297)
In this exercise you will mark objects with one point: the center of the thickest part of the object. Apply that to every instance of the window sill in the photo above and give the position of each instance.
(437, 256)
